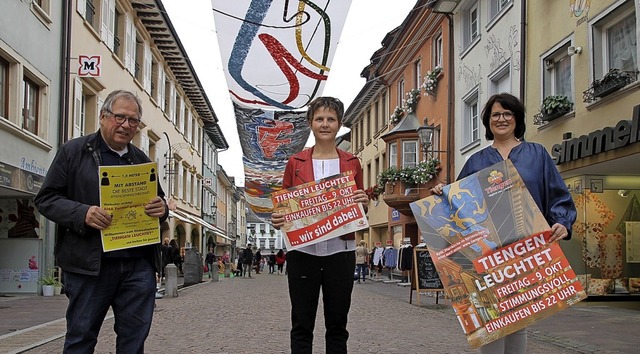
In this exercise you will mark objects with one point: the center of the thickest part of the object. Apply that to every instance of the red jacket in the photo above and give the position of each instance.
(299, 170)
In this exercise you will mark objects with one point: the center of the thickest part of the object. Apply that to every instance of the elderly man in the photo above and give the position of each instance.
(95, 280)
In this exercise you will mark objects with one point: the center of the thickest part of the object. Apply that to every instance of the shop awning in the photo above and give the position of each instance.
(215, 229)
(180, 217)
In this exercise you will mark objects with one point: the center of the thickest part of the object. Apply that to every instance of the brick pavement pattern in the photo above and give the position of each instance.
(251, 315)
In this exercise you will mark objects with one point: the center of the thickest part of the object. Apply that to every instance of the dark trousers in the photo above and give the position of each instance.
(307, 274)
(128, 285)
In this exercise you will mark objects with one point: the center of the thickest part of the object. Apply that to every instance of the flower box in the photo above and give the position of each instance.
(606, 87)
(548, 117)
(399, 195)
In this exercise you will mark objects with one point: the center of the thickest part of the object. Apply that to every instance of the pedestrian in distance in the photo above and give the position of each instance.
(504, 122)
(94, 281)
(166, 255)
(176, 256)
(272, 263)
(362, 254)
(329, 264)
(247, 261)
(240, 263)
(280, 259)
(210, 260)
(258, 261)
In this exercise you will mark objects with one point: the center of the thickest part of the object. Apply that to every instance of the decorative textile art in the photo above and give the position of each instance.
(277, 54)
(589, 231)
(268, 139)
(632, 213)
(610, 255)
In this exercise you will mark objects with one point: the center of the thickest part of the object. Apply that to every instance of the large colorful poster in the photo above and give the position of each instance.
(124, 190)
(489, 243)
(319, 210)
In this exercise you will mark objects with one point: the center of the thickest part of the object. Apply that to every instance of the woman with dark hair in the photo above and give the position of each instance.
(329, 264)
(503, 119)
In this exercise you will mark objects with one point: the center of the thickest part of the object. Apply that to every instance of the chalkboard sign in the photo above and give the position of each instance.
(425, 274)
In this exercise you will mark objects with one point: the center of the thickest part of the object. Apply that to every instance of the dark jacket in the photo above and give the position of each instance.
(210, 258)
(299, 170)
(247, 256)
(72, 186)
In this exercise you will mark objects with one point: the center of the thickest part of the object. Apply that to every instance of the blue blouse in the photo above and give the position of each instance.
(539, 174)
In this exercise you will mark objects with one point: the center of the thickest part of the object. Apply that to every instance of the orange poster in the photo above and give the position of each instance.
(489, 242)
(319, 210)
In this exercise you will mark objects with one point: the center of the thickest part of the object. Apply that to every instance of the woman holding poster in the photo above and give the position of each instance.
(503, 119)
(328, 264)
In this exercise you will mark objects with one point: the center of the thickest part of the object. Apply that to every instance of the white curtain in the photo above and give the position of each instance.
(622, 43)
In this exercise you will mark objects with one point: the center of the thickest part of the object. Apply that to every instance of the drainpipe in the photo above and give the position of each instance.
(65, 56)
(450, 110)
(523, 47)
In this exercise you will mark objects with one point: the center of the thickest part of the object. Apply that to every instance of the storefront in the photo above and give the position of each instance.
(601, 171)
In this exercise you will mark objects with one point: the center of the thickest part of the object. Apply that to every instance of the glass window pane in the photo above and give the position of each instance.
(3, 87)
(622, 44)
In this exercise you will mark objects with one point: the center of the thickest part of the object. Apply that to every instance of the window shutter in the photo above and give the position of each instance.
(146, 74)
(111, 25)
(104, 22)
(172, 102)
(78, 125)
(100, 103)
(144, 143)
(181, 116)
(188, 196)
(81, 7)
(128, 44)
(180, 177)
(161, 88)
(190, 127)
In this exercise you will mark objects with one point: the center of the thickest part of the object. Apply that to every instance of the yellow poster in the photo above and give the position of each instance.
(124, 190)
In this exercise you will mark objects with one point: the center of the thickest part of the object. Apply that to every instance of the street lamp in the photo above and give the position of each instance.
(429, 138)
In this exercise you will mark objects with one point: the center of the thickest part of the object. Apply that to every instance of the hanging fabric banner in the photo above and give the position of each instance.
(268, 139)
(277, 54)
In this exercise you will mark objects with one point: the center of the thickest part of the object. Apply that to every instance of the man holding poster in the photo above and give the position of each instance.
(490, 247)
(330, 263)
(94, 280)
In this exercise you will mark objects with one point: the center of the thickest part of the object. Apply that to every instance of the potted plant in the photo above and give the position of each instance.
(412, 100)
(49, 282)
(614, 80)
(397, 114)
(555, 106)
(431, 80)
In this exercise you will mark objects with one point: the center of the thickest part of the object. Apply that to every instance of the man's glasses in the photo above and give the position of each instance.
(495, 116)
(121, 118)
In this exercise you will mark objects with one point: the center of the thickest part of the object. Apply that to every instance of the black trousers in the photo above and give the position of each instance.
(307, 274)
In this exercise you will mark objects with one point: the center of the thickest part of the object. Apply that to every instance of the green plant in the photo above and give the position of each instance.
(421, 173)
(553, 104)
(50, 279)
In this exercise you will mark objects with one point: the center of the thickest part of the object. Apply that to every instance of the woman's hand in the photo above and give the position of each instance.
(558, 232)
(277, 220)
(360, 196)
(437, 189)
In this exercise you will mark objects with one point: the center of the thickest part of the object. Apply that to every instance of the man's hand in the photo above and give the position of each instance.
(155, 208)
(277, 220)
(97, 218)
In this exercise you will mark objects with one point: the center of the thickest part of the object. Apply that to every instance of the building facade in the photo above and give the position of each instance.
(32, 94)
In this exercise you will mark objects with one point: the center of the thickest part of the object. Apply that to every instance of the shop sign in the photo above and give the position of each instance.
(626, 132)
(19, 179)
(395, 215)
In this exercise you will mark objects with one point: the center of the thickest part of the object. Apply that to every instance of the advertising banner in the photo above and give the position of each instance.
(490, 245)
(124, 190)
(319, 210)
